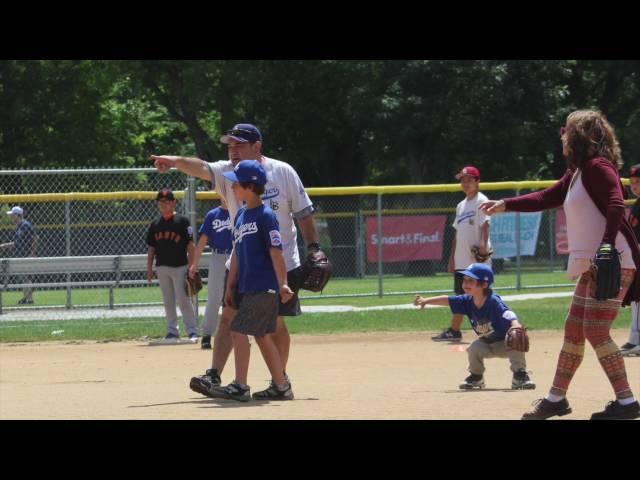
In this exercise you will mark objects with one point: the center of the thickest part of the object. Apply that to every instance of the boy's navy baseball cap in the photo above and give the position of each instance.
(248, 171)
(478, 271)
(165, 194)
(635, 171)
(243, 133)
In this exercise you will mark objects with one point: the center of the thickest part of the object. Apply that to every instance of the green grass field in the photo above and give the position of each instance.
(368, 285)
(535, 314)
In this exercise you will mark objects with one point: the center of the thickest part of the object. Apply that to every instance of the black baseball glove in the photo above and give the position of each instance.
(605, 271)
(316, 270)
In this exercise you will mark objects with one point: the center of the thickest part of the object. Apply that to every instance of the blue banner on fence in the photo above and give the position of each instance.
(503, 234)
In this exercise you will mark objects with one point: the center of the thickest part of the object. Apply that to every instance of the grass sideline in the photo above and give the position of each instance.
(337, 286)
(535, 314)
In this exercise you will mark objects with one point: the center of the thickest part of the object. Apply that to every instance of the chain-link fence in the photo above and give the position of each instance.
(381, 240)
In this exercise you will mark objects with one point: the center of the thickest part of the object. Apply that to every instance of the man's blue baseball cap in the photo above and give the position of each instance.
(478, 271)
(248, 171)
(243, 133)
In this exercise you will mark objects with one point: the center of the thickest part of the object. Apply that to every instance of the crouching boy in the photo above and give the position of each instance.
(490, 318)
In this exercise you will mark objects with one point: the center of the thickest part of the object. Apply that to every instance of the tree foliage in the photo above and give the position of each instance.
(337, 122)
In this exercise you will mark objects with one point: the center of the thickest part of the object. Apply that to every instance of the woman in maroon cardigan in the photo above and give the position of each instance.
(591, 193)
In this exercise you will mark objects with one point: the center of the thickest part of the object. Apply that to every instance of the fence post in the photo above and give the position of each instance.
(116, 264)
(190, 196)
(379, 227)
(5, 274)
(67, 233)
(359, 244)
(552, 214)
(518, 263)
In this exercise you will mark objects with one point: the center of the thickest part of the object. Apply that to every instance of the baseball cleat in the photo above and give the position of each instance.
(472, 382)
(449, 335)
(273, 393)
(233, 391)
(630, 350)
(521, 381)
(203, 384)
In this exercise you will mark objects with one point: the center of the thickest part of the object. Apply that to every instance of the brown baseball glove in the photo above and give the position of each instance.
(193, 285)
(316, 271)
(475, 251)
(517, 339)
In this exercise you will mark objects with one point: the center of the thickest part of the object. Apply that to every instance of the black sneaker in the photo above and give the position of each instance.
(203, 384)
(25, 301)
(205, 343)
(616, 411)
(521, 381)
(233, 391)
(273, 393)
(545, 409)
(472, 381)
(171, 338)
(193, 337)
(629, 349)
(449, 335)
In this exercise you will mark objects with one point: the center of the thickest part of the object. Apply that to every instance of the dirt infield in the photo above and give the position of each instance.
(347, 376)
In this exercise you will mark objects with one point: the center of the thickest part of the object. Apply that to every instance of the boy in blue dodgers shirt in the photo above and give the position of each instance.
(491, 319)
(258, 273)
(216, 231)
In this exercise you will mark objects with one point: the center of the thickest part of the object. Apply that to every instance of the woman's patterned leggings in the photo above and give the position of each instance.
(592, 319)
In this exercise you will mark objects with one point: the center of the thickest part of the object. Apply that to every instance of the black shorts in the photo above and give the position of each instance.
(292, 307)
(457, 284)
(257, 314)
(289, 309)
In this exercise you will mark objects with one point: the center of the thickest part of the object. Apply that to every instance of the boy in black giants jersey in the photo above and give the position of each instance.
(169, 241)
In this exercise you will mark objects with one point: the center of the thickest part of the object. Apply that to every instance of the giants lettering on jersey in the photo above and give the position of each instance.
(167, 236)
(245, 229)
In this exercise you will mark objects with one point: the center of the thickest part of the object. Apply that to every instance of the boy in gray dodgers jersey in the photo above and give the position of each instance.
(257, 278)
(216, 232)
(286, 196)
(490, 318)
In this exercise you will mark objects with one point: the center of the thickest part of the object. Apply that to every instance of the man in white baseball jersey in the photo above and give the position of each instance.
(285, 195)
(472, 230)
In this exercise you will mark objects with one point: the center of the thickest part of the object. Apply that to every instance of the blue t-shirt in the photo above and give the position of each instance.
(255, 233)
(217, 228)
(23, 239)
(491, 321)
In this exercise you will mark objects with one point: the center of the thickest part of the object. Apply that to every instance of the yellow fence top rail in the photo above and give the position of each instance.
(313, 191)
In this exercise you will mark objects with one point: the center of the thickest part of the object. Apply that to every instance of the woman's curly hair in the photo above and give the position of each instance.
(589, 134)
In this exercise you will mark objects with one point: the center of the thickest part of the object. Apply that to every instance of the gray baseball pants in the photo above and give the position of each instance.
(171, 281)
